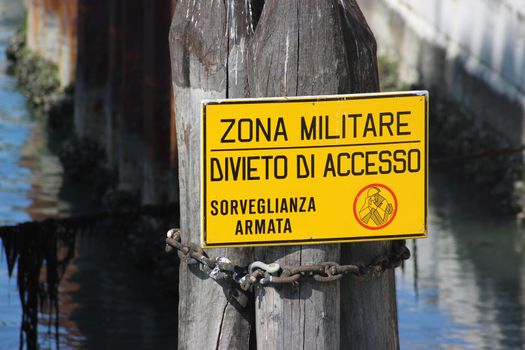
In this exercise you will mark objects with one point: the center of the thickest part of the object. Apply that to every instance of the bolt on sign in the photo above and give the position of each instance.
(304, 170)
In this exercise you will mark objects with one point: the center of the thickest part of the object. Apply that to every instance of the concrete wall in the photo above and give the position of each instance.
(472, 51)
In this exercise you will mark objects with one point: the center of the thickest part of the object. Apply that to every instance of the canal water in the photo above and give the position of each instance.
(463, 288)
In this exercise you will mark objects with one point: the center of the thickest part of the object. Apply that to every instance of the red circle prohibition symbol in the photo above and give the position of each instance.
(359, 195)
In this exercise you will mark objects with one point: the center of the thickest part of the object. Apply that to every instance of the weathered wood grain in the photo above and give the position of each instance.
(298, 49)
(310, 48)
(208, 58)
(368, 307)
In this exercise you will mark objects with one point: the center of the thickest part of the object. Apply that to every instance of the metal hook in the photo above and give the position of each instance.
(272, 268)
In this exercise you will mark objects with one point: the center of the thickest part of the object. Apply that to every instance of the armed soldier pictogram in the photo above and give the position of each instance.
(375, 206)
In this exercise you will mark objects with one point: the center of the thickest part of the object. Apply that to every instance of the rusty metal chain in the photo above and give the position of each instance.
(260, 273)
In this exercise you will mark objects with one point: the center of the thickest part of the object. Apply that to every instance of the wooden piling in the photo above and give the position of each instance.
(157, 101)
(297, 48)
(208, 44)
(130, 112)
(368, 307)
(113, 83)
(92, 70)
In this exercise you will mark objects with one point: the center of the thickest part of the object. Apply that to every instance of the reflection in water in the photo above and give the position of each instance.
(41, 253)
(96, 282)
(469, 278)
(45, 176)
(14, 127)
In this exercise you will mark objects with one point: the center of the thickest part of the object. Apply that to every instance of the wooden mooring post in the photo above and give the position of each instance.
(157, 101)
(92, 70)
(130, 148)
(228, 49)
(208, 43)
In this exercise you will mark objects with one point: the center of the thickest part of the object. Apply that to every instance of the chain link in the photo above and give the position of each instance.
(264, 274)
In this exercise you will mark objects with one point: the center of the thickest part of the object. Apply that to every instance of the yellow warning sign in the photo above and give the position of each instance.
(320, 169)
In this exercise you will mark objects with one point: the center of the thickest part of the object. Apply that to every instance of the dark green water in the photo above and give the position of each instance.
(464, 288)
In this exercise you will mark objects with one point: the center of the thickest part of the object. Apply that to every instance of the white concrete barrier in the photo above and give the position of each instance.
(472, 51)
